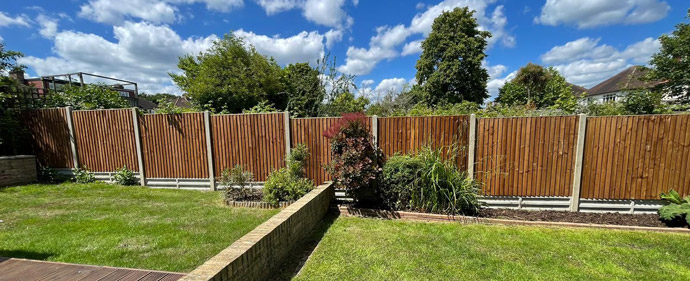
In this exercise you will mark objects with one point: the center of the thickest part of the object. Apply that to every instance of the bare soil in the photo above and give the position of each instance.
(651, 220)
(248, 194)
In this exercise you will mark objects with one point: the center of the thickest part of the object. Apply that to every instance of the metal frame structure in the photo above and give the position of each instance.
(81, 75)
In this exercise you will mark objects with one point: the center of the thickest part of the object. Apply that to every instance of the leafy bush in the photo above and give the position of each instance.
(401, 175)
(282, 185)
(89, 96)
(429, 182)
(288, 183)
(356, 162)
(677, 208)
(82, 175)
(125, 176)
(236, 181)
(49, 175)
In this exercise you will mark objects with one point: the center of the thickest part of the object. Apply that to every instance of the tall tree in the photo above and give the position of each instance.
(345, 102)
(450, 67)
(672, 63)
(304, 90)
(230, 77)
(542, 87)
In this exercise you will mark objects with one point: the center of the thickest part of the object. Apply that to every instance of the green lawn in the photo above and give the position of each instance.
(371, 249)
(172, 230)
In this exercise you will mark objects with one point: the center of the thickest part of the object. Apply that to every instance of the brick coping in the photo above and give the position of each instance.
(414, 216)
(258, 204)
(16, 157)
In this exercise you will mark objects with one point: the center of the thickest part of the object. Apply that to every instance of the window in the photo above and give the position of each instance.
(611, 97)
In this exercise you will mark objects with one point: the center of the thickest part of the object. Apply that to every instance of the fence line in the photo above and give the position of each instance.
(623, 157)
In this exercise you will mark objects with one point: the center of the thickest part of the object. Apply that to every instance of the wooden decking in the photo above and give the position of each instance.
(21, 269)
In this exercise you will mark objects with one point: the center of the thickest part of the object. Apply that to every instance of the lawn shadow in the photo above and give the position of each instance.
(25, 254)
(294, 262)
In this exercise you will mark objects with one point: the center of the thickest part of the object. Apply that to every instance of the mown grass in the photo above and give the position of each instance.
(371, 249)
(100, 224)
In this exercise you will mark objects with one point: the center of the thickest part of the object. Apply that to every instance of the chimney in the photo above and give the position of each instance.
(18, 75)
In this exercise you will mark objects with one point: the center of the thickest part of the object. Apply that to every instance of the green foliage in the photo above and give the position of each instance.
(13, 135)
(83, 175)
(445, 189)
(297, 160)
(396, 105)
(8, 59)
(49, 175)
(168, 107)
(158, 98)
(304, 89)
(645, 102)
(401, 175)
(543, 87)
(89, 96)
(261, 107)
(672, 63)
(356, 163)
(287, 184)
(345, 102)
(282, 185)
(677, 208)
(449, 69)
(236, 181)
(610, 108)
(125, 176)
(230, 77)
(462, 108)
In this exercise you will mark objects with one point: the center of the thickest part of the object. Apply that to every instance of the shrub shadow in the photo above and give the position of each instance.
(6, 254)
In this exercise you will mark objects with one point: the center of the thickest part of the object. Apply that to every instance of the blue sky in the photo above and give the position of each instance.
(140, 40)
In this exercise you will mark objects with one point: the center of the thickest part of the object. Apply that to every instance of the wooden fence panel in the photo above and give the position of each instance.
(310, 132)
(526, 156)
(636, 157)
(174, 145)
(406, 135)
(50, 136)
(255, 141)
(105, 139)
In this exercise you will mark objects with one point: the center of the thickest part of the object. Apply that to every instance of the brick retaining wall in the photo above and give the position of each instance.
(257, 255)
(17, 170)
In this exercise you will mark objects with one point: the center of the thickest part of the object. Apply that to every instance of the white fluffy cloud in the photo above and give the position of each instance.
(333, 36)
(157, 11)
(323, 12)
(390, 85)
(495, 80)
(143, 53)
(591, 13)
(6, 20)
(49, 27)
(585, 62)
(383, 45)
(303, 47)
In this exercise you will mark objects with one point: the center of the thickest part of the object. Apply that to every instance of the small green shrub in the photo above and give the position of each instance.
(236, 181)
(282, 185)
(49, 175)
(298, 160)
(82, 175)
(677, 209)
(287, 184)
(125, 176)
(401, 175)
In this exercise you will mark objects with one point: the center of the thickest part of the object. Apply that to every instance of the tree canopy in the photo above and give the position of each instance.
(304, 90)
(230, 77)
(672, 63)
(449, 69)
(542, 87)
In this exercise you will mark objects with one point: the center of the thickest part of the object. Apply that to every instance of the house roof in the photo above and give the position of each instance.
(146, 104)
(629, 79)
(182, 102)
(577, 90)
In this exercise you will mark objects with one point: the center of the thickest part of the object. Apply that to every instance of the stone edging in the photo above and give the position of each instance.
(413, 216)
(256, 255)
(257, 204)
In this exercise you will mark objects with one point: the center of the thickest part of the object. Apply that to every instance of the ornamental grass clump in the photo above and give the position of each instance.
(429, 181)
(356, 163)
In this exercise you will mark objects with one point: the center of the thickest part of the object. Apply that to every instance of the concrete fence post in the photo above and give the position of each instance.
(472, 143)
(72, 137)
(209, 150)
(577, 172)
(288, 145)
(137, 142)
(375, 130)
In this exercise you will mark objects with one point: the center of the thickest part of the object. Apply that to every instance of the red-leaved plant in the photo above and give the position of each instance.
(356, 163)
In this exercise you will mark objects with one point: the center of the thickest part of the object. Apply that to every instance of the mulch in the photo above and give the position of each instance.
(650, 220)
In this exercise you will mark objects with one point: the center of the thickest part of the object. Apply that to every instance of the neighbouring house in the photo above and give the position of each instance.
(146, 105)
(182, 102)
(617, 87)
(42, 86)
